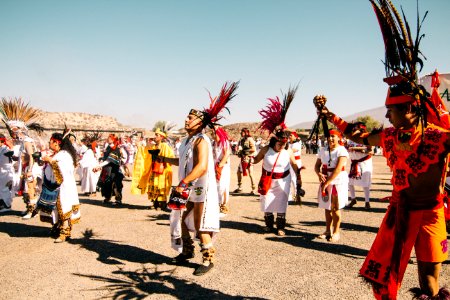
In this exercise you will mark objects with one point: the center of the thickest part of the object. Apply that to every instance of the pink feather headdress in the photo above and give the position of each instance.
(274, 115)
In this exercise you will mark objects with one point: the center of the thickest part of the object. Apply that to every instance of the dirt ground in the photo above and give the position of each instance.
(124, 252)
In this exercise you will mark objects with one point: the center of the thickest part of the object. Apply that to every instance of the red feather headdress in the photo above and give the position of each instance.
(274, 114)
(217, 104)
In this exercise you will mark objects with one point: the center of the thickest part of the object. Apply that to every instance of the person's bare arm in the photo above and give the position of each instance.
(317, 166)
(370, 139)
(170, 160)
(260, 154)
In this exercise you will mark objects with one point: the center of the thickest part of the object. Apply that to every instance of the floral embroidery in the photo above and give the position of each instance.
(415, 163)
(400, 177)
(430, 150)
(403, 157)
(433, 134)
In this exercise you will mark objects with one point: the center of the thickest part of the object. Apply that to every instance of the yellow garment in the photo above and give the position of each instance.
(141, 169)
(157, 186)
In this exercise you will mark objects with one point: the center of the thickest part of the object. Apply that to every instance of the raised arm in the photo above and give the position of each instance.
(260, 154)
(370, 139)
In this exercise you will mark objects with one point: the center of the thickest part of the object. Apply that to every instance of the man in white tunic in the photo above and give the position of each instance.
(197, 175)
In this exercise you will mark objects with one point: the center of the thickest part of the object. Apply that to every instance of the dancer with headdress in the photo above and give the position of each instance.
(19, 117)
(275, 183)
(111, 176)
(150, 175)
(58, 202)
(222, 152)
(198, 180)
(416, 149)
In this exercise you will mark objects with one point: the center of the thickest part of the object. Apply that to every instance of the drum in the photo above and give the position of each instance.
(178, 201)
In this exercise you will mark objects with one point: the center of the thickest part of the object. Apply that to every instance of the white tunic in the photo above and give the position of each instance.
(89, 178)
(203, 189)
(276, 199)
(365, 168)
(340, 182)
(223, 186)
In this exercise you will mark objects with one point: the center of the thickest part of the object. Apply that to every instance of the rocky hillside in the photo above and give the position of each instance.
(79, 121)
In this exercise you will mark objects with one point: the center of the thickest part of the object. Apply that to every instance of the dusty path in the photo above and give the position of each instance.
(125, 252)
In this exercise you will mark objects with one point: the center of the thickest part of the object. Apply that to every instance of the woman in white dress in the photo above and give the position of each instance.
(277, 164)
(333, 189)
(58, 202)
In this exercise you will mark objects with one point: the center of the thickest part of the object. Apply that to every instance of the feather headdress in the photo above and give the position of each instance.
(19, 116)
(274, 115)
(167, 129)
(403, 58)
(402, 51)
(211, 116)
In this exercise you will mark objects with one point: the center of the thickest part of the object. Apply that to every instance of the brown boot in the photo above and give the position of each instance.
(64, 234)
(208, 256)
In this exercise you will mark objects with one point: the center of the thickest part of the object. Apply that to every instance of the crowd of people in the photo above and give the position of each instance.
(416, 148)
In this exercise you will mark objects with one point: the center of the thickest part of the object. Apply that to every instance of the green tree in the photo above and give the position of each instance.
(370, 122)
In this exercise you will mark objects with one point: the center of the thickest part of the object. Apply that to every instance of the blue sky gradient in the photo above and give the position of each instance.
(144, 61)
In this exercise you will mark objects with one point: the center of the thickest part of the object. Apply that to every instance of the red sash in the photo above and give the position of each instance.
(354, 170)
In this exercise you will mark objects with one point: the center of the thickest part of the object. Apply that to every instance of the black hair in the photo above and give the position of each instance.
(66, 145)
(281, 134)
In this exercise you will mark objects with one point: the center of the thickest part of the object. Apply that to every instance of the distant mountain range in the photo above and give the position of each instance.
(376, 113)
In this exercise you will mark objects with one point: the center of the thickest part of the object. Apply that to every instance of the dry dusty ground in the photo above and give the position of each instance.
(125, 252)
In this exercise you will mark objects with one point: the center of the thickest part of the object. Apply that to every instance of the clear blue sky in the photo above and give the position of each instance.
(143, 61)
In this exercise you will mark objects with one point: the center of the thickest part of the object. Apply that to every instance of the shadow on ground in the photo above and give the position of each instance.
(344, 225)
(141, 283)
(24, 230)
(113, 252)
(99, 202)
(310, 241)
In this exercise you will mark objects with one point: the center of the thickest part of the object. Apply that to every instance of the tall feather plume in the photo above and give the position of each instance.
(401, 50)
(274, 115)
(403, 56)
(17, 109)
(168, 128)
(217, 104)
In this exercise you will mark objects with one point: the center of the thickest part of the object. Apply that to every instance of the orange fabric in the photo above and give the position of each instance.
(339, 123)
(402, 157)
(398, 99)
(424, 229)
